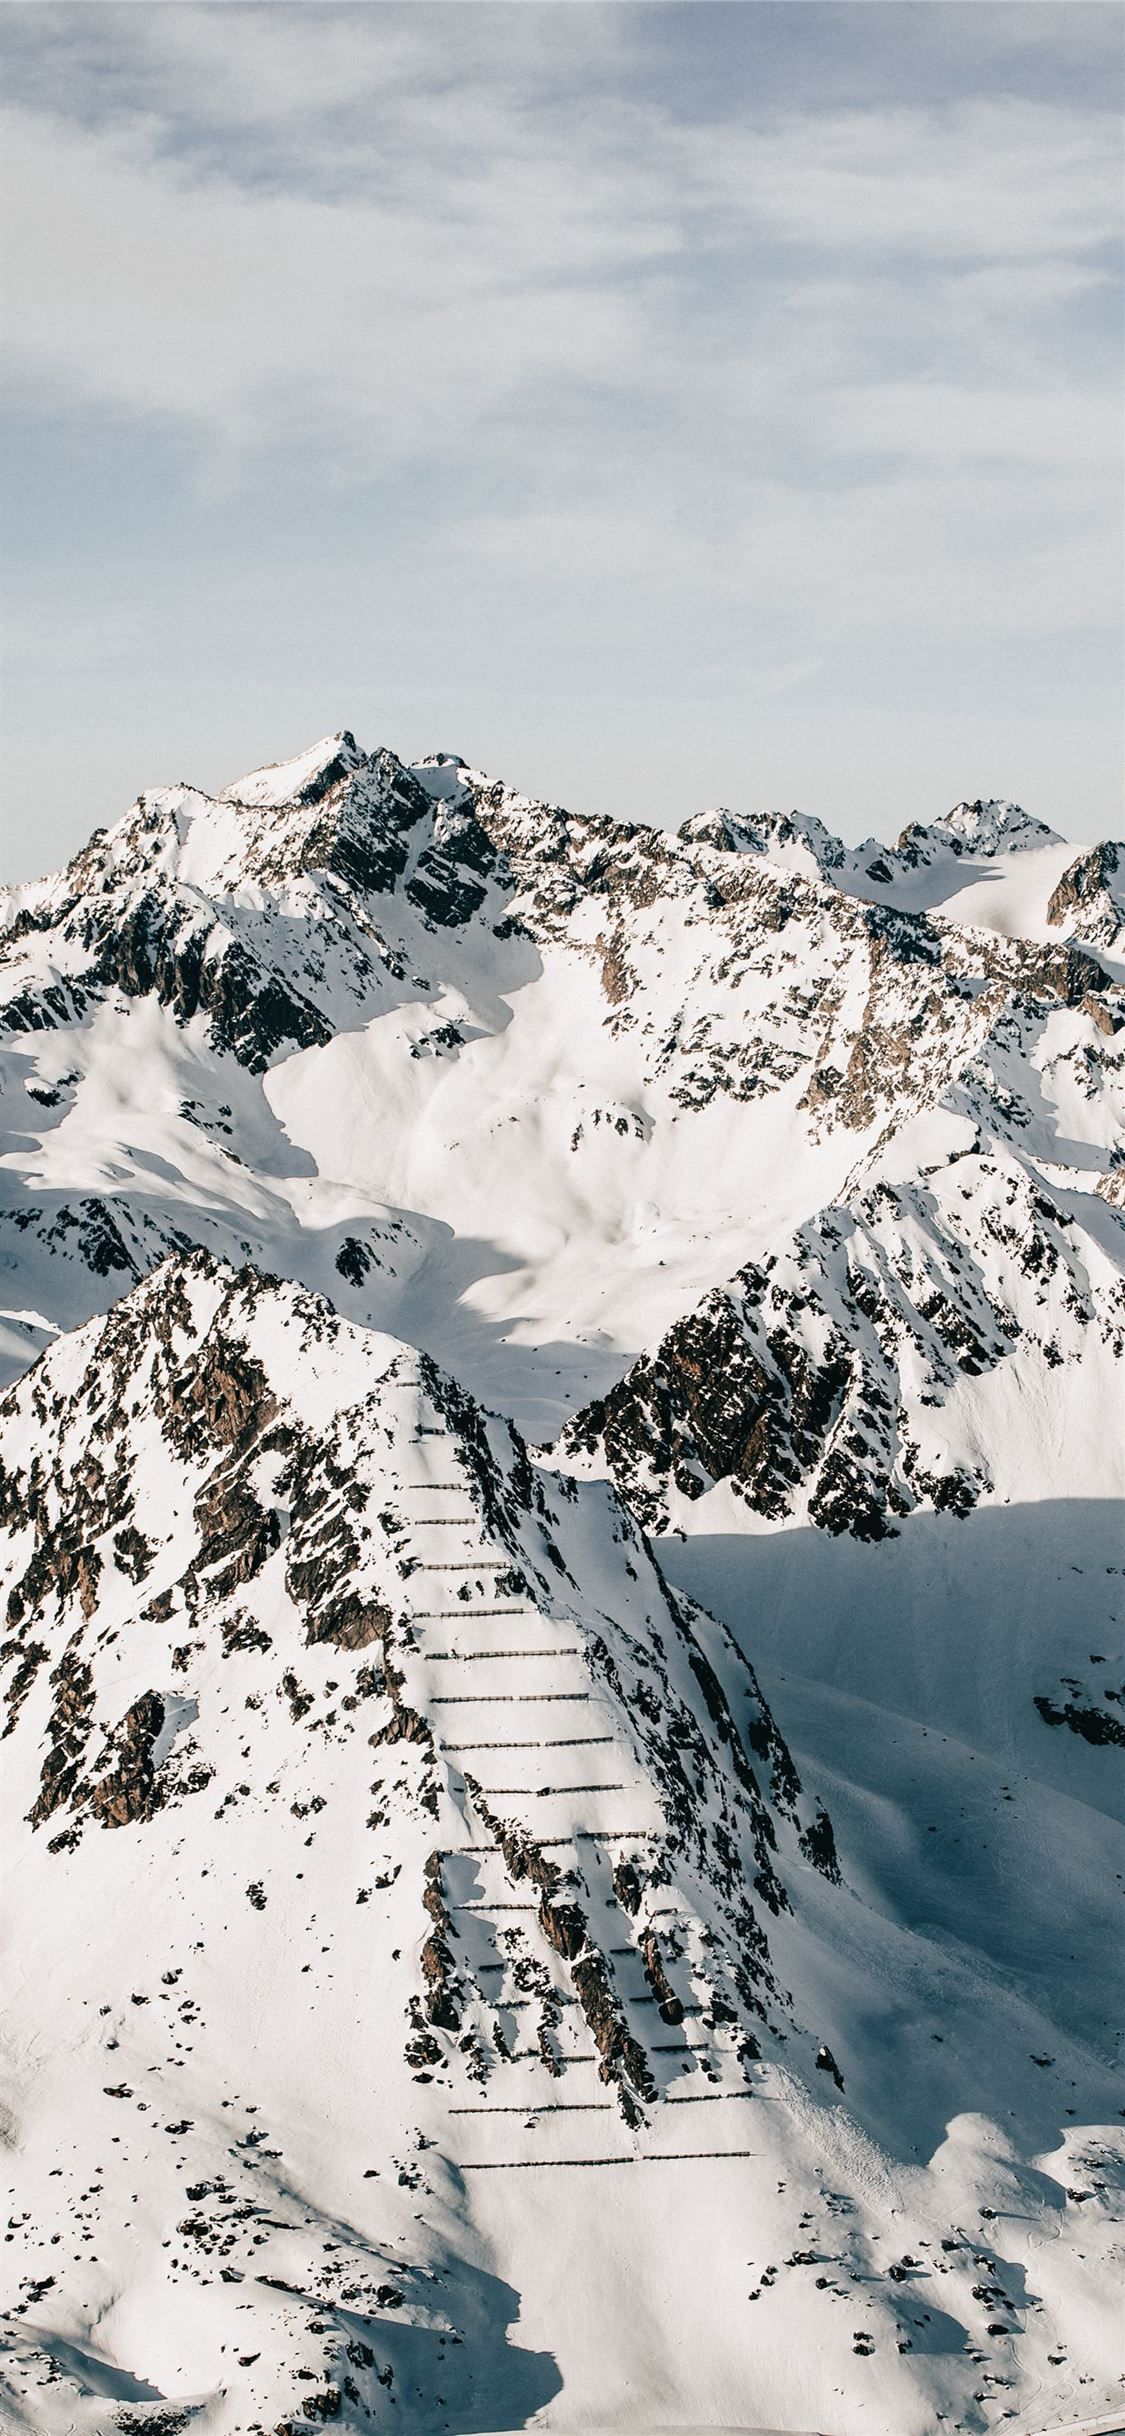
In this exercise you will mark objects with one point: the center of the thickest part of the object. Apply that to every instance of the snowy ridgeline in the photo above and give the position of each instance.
(465, 1972)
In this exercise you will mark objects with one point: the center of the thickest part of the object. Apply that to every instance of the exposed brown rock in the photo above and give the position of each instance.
(438, 1967)
(236, 1533)
(68, 1732)
(668, 2003)
(132, 1789)
(1084, 892)
(220, 1397)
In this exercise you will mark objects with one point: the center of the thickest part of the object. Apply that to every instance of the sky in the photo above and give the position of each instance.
(660, 405)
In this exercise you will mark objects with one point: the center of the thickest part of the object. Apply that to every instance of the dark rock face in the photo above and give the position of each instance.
(363, 836)
(133, 1553)
(799, 1381)
(717, 1402)
(627, 1886)
(623, 2058)
(353, 1260)
(236, 1534)
(322, 1549)
(826, 2062)
(68, 1732)
(131, 1789)
(668, 2003)
(448, 884)
(1090, 898)
(220, 1397)
(438, 1967)
(350, 1622)
(818, 1843)
(565, 1926)
(29, 1657)
(121, 1785)
(101, 1242)
(405, 1724)
(158, 949)
(1095, 1725)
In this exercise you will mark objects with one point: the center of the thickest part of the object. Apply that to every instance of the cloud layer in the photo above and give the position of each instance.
(589, 320)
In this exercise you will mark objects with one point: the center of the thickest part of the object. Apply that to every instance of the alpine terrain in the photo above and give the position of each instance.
(563, 1592)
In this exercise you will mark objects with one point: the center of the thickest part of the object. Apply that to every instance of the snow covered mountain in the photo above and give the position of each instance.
(986, 863)
(909, 1346)
(367, 1129)
(481, 1072)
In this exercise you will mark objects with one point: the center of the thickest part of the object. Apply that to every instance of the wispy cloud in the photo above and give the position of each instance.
(540, 295)
(829, 346)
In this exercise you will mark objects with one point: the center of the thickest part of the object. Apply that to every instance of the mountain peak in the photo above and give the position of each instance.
(989, 825)
(305, 779)
(796, 838)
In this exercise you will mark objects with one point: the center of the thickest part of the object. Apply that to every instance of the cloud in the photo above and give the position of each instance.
(942, 421)
(398, 324)
(852, 363)
(483, 260)
(987, 180)
(958, 552)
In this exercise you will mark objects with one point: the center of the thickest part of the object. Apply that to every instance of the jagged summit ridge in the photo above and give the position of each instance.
(344, 983)
(991, 826)
(797, 839)
(303, 780)
(1089, 900)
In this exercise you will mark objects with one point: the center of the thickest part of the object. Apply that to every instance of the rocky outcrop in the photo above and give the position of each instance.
(818, 1843)
(438, 1967)
(159, 948)
(237, 1535)
(1089, 900)
(129, 1789)
(68, 1730)
(811, 1383)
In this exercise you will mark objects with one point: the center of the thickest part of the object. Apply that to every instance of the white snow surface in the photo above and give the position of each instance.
(362, 1124)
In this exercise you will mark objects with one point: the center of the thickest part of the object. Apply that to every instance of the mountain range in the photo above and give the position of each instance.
(672, 1283)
